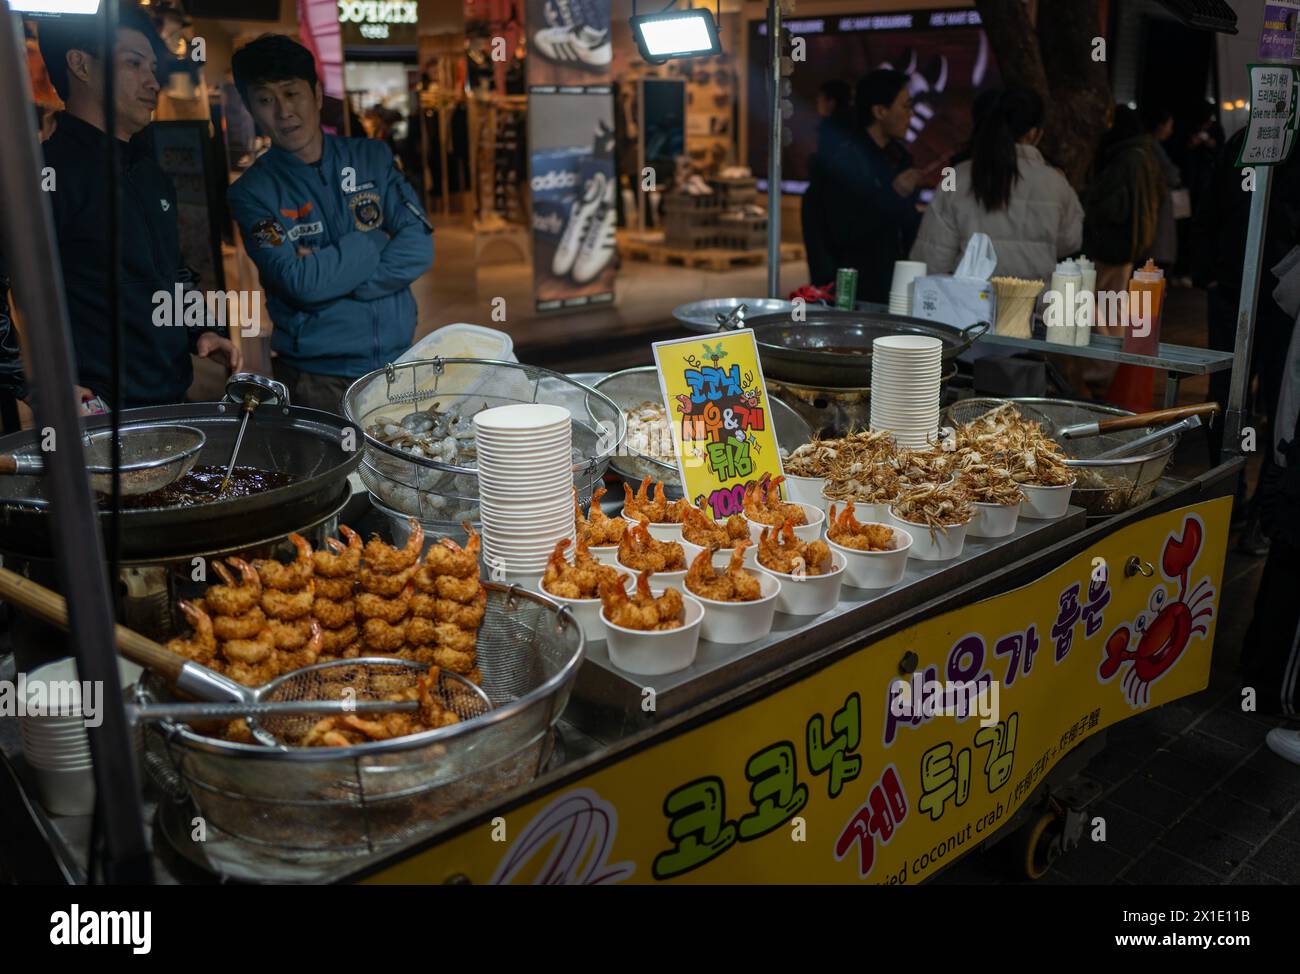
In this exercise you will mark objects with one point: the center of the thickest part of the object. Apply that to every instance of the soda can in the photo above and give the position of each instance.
(846, 288)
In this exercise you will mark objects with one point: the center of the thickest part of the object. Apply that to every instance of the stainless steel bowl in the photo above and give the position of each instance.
(702, 316)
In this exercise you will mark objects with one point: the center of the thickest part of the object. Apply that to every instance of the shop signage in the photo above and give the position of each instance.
(1270, 134)
(846, 777)
(378, 21)
(720, 417)
(1279, 39)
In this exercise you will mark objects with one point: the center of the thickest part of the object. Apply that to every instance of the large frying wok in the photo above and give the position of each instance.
(306, 443)
(832, 348)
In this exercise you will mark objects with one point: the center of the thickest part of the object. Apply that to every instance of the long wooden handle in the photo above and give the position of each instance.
(8, 463)
(1142, 420)
(50, 606)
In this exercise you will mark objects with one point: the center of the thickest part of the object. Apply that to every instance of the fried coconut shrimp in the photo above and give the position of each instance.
(287, 606)
(642, 610)
(349, 729)
(383, 637)
(335, 641)
(341, 561)
(381, 583)
(700, 529)
(448, 558)
(382, 557)
(304, 654)
(466, 615)
(335, 589)
(231, 598)
(845, 530)
(202, 643)
(763, 504)
(582, 579)
(393, 611)
(732, 585)
(290, 635)
(245, 626)
(640, 551)
(657, 511)
(783, 552)
(290, 577)
(334, 615)
(594, 527)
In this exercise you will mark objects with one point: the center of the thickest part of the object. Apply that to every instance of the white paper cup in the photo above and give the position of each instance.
(939, 546)
(805, 490)
(665, 580)
(862, 510)
(1045, 503)
(735, 623)
(521, 416)
(660, 531)
(606, 554)
(721, 557)
(69, 792)
(656, 653)
(876, 569)
(804, 532)
(809, 595)
(585, 611)
(905, 272)
(994, 520)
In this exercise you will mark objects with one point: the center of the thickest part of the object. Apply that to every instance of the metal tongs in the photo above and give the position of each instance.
(734, 320)
(250, 391)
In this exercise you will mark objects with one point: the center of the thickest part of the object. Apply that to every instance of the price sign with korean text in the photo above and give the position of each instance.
(1270, 134)
(855, 774)
(720, 416)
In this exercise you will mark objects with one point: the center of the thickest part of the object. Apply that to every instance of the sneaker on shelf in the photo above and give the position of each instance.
(1284, 743)
(575, 228)
(698, 186)
(598, 243)
(580, 46)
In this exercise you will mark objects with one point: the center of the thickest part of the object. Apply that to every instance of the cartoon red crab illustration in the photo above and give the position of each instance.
(1165, 633)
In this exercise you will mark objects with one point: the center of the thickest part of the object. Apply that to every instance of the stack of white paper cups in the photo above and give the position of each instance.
(905, 372)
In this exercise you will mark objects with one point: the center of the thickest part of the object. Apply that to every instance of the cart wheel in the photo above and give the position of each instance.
(1041, 845)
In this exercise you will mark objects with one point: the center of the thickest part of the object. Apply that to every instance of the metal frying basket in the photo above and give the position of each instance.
(317, 806)
(1103, 487)
(446, 493)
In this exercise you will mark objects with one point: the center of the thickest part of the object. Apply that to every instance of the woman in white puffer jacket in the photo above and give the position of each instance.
(1006, 190)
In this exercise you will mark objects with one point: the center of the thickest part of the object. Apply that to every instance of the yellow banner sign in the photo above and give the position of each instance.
(720, 416)
(856, 774)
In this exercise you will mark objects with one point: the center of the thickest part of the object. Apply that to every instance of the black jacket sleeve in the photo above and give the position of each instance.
(12, 381)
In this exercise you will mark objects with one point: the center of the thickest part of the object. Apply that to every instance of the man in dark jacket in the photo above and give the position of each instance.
(156, 347)
(870, 210)
(13, 386)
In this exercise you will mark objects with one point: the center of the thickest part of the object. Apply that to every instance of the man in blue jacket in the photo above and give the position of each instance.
(336, 232)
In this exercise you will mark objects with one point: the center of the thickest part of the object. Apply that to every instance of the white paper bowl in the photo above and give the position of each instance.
(804, 532)
(656, 653)
(806, 490)
(809, 595)
(528, 417)
(662, 579)
(721, 557)
(936, 547)
(585, 611)
(659, 531)
(606, 554)
(735, 623)
(862, 510)
(994, 520)
(876, 569)
(1045, 503)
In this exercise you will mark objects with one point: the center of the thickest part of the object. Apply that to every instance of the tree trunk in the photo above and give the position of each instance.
(1081, 99)
(1011, 34)
(1056, 61)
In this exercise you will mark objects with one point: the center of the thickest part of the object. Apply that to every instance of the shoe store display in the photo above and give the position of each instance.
(577, 34)
(581, 213)
(598, 242)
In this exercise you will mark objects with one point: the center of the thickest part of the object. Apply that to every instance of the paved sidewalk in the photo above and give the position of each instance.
(1191, 794)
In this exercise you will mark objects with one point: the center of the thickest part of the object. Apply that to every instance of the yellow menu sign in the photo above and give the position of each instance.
(718, 409)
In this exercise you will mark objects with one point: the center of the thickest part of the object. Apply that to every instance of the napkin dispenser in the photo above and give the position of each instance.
(965, 297)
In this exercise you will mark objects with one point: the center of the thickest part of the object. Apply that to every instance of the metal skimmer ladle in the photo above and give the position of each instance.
(250, 391)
